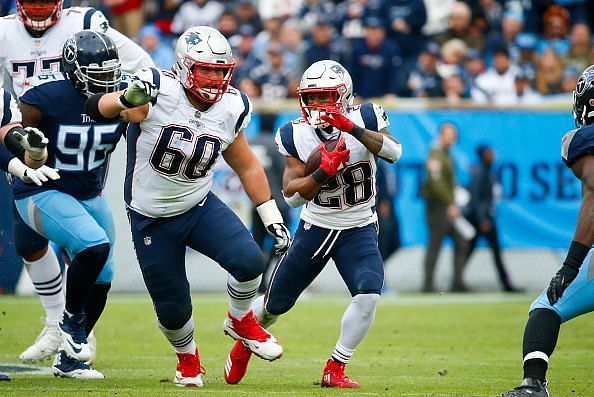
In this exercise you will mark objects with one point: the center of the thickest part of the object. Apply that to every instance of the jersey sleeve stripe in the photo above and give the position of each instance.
(6, 113)
(87, 18)
(246, 109)
(286, 133)
(157, 81)
(368, 116)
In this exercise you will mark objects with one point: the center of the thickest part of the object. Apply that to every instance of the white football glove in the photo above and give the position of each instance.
(275, 226)
(140, 91)
(34, 142)
(29, 175)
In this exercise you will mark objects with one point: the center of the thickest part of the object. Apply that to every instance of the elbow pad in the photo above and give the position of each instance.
(390, 150)
(295, 200)
(92, 110)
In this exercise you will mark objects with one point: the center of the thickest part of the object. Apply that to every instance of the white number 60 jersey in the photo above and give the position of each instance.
(347, 200)
(172, 153)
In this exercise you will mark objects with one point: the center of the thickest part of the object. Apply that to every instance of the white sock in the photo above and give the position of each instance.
(241, 295)
(46, 276)
(181, 339)
(264, 318)
(356, 321)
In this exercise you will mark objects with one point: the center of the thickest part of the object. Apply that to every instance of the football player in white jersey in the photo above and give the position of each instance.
(338, 216)
(186, 121)
(31, 42)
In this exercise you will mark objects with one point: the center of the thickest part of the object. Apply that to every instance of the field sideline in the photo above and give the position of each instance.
(440, 345)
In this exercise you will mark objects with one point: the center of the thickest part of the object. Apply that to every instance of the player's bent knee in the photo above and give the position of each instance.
(366, 304)
(247, 264)
(173, 314)
(369, 282)
(93, 258)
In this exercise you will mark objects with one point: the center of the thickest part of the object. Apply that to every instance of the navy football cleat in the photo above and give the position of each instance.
(74, 337)
(529, 388)
(67, 367)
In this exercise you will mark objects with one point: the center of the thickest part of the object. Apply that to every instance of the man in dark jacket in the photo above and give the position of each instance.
(480, 211)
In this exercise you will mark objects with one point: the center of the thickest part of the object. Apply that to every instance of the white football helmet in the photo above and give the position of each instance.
(204, 62)
(324, 77)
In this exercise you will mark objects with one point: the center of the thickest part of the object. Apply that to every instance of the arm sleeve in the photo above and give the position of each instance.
(5, 157)
(10, 110)
(132, 56)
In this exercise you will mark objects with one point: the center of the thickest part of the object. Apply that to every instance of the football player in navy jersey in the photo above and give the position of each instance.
(571, 291)
(71, 211)
(338, 211)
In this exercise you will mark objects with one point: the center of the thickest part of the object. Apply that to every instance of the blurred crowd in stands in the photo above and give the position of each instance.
(490, 51)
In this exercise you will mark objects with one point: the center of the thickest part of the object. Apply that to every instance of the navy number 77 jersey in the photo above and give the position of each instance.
(78, 146)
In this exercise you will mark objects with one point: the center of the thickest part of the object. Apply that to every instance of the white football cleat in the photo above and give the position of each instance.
(92, 341)
(249, 330)
(67, 367)
(46, 345)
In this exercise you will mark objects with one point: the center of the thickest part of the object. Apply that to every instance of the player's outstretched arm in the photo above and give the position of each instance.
(584, 233)
(380, 143)
(242, 160)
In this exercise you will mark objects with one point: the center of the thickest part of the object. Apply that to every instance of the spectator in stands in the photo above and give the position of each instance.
(250, 88)
(404, 20)
(247, 14)
(461, 28)
(474, 66)
(272, 78)
(127, 16)
(350, 15)
(579, 55)
(452, 58)
(375, 63)
(549, 73)
(323, 43)
(242, 45)
(291, 38)
(511, 26)
(149, 39)
(569, 79)
(526, 60)
(480, 211)
(270, 34)
(424, 81)
(454, 90)
(556, 28)
(441, 211)
(497, 84)
(311, 11)
(227, 23)
(195, 13)
(525, 94)
(488, 16)
(282, 9)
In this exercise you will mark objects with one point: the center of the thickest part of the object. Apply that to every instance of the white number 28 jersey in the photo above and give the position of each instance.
(172, 153)
(348, 200)
(23, 56)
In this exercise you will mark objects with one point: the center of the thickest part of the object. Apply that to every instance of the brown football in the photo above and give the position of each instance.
(313, 161)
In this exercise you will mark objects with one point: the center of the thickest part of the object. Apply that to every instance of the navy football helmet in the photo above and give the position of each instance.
(90, 61)
(583, 98)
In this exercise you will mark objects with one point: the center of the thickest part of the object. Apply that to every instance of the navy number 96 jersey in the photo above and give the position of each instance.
(78, 146)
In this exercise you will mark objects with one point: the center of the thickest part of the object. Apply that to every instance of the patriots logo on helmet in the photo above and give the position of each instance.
(70, 50)
(192, 39)
(339, 70)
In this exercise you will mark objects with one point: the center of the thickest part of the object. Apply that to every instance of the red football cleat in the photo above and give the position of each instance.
(237, 363)
(188, 371)
(256, 338)
(334, 376)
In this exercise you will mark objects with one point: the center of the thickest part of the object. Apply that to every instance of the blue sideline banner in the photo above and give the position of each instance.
(540, 196)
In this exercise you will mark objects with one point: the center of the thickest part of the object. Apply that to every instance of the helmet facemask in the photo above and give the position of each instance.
(207, 89)
(39, 17)
(97, 79)
(329, 98)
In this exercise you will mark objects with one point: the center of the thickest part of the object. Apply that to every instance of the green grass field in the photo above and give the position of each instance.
(466, 345)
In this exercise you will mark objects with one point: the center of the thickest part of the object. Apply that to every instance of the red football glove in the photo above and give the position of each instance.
(337, 119)
(330, 162)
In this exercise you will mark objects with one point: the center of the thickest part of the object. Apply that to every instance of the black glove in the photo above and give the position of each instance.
(282, 236)
(561, 281)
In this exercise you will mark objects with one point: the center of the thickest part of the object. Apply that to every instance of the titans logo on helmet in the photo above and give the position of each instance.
(192, 39)
(70, 50)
